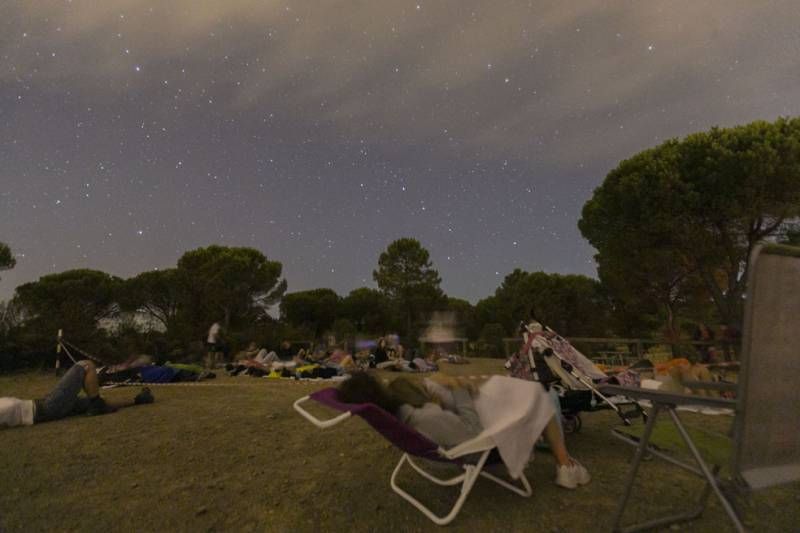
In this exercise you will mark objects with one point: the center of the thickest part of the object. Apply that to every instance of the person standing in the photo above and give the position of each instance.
(215, 346)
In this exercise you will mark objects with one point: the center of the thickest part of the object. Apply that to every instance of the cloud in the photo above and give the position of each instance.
(503, 74)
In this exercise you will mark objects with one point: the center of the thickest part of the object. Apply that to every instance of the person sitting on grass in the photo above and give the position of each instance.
(64, 400)
(285, 352)
(251, 352)
(253, 361)
(442, 408)
(691, 371)
(453, 359)
(395, 360)
(381, 355)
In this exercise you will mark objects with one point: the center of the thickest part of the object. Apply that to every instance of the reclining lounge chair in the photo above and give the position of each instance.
(414, 444)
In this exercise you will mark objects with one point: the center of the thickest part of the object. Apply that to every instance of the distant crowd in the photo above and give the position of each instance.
(320, 361)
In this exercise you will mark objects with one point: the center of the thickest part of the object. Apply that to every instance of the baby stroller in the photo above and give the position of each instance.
(550, 359)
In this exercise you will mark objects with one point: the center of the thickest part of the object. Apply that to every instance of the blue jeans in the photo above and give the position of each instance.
(63, 400)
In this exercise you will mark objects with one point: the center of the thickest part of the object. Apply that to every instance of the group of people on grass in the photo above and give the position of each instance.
(286, 362)
(325, 362)
(441, 408)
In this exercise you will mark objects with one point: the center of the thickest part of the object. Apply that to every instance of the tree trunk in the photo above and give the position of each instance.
(227, 320)
(408, 322)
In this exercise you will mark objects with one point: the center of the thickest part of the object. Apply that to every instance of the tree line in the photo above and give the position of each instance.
(673, 227)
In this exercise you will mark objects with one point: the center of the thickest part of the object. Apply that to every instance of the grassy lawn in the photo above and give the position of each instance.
(234, 456)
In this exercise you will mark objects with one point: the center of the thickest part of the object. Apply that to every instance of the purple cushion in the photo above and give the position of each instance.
(399, 434)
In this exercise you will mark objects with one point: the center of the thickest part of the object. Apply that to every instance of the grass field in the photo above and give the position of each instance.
(234, 456)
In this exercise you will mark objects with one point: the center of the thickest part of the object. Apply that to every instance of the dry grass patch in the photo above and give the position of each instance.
(234, 456)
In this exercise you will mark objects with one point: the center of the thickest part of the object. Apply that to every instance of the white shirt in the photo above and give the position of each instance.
(16, 412)
(213, 333)
(456, 423)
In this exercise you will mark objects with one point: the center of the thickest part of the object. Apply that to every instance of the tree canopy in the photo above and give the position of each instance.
(158, 293)
(315, 309)
(230, 284)
(406, 276)
(368, 309)
(572, 304)
(676, 223)
(75, 300)
(7, 260)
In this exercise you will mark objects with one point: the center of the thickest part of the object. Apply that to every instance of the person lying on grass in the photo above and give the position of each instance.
(442, 409)
(64, 400)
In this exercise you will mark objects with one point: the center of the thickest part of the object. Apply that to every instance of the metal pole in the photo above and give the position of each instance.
(637, 459)
(706, 472)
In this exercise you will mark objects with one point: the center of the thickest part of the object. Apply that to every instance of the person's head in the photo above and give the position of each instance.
(252, 346)
(381, 343)
(286, 345)
(535, 327)
(364, 388)
(713, 354)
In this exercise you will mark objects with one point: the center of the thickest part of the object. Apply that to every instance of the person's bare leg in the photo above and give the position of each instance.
(117, 403)
(569, 472)
(91, 385)
(552, 434)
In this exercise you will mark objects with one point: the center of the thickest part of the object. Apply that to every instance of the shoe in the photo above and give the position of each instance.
(146, 396)
(98, 406)
(572, 475)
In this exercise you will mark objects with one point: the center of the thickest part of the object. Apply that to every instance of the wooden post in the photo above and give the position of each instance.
(58, 350)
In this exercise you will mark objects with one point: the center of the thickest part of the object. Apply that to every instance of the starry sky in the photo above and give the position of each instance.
(318, 132)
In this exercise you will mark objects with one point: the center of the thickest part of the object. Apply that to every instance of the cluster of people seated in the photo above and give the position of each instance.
(322, 362)
(286, 362)
(394, 357)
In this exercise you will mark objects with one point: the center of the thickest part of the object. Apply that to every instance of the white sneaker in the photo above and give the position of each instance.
(572, 475)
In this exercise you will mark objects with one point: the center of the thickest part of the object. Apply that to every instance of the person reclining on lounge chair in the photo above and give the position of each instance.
(64, 401)
(443, 410)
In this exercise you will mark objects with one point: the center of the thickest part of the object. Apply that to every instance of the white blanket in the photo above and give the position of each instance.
(513, 412)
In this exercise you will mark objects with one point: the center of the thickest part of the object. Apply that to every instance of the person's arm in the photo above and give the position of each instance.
(454, 383)
(445, 428)
(440, 393)
(465, 407)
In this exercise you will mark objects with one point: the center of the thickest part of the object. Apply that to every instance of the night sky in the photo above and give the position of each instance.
(318, 132)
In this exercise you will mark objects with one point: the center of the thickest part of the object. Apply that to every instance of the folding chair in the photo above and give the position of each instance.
(766, 437)
(414, 444)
